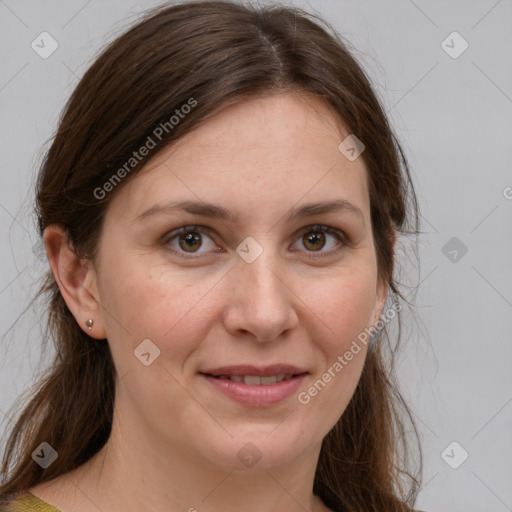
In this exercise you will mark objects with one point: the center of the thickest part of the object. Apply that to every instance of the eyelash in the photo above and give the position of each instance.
(315, 228)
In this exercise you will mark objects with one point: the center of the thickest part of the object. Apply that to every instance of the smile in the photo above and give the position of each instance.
(255, 391)
(255, 380)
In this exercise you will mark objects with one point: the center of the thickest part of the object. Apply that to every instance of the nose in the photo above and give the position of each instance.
(262, 303)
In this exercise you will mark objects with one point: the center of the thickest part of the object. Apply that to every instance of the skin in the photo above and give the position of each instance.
(175, 438)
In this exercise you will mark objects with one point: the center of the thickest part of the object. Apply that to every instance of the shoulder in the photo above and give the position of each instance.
(28, 503)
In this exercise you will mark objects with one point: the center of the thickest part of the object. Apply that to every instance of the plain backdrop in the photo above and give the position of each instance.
(451, 107)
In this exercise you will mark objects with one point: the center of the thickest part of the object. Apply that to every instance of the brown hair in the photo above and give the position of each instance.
(217, 53)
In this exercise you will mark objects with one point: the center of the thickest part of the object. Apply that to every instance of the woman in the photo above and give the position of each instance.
(219, 207)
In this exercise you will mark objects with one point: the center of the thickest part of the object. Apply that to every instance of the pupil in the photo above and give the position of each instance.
(190, 241)
(314, 238)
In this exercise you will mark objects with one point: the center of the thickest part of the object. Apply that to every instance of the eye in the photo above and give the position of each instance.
(189, 239)
(315, 238)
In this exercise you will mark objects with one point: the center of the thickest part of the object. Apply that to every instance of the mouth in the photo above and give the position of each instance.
(254, 375)
(256, 387)
(256, 380)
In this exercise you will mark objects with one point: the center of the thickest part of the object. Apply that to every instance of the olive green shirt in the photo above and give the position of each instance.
(30, 503)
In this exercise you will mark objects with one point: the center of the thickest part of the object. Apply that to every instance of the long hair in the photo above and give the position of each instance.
(207, 55)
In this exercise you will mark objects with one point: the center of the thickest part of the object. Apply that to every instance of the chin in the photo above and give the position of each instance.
(261, 452)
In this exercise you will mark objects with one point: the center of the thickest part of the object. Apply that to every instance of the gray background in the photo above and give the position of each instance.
(453, 116)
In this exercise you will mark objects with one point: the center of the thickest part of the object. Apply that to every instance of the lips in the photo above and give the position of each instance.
(261, 371)
(255, 386)
(255, 380)
(253, 375)
(250, 370)
(255, 395)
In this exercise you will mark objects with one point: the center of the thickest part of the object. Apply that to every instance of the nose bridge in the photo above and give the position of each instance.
(261, 275)
(261, 302)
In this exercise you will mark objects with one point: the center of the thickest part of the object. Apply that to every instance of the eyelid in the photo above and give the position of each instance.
(338, 233)
(168, 237)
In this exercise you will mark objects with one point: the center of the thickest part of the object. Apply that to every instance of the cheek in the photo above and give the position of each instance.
(344, 304)
(143, 302)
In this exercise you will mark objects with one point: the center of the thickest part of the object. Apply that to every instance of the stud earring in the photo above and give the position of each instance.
(89, 323)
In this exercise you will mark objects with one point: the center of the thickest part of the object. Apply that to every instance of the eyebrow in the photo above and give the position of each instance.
(205, 209)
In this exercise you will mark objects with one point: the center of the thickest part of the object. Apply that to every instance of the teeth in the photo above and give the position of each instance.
(254, 380)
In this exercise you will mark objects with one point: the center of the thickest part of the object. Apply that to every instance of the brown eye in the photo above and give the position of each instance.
(314, 241)
(316, 238)
(190, 239)
(190, 242)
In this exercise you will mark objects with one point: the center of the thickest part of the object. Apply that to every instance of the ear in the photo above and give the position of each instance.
(383, 285)
(380, 302)
(76, 279)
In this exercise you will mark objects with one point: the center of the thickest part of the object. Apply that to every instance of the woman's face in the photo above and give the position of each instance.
(255, 289)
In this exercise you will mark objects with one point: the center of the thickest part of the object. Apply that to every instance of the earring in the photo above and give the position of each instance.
(89, 323)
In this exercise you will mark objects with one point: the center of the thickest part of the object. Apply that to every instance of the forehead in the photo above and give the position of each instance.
(279, 118)
(264, 153)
